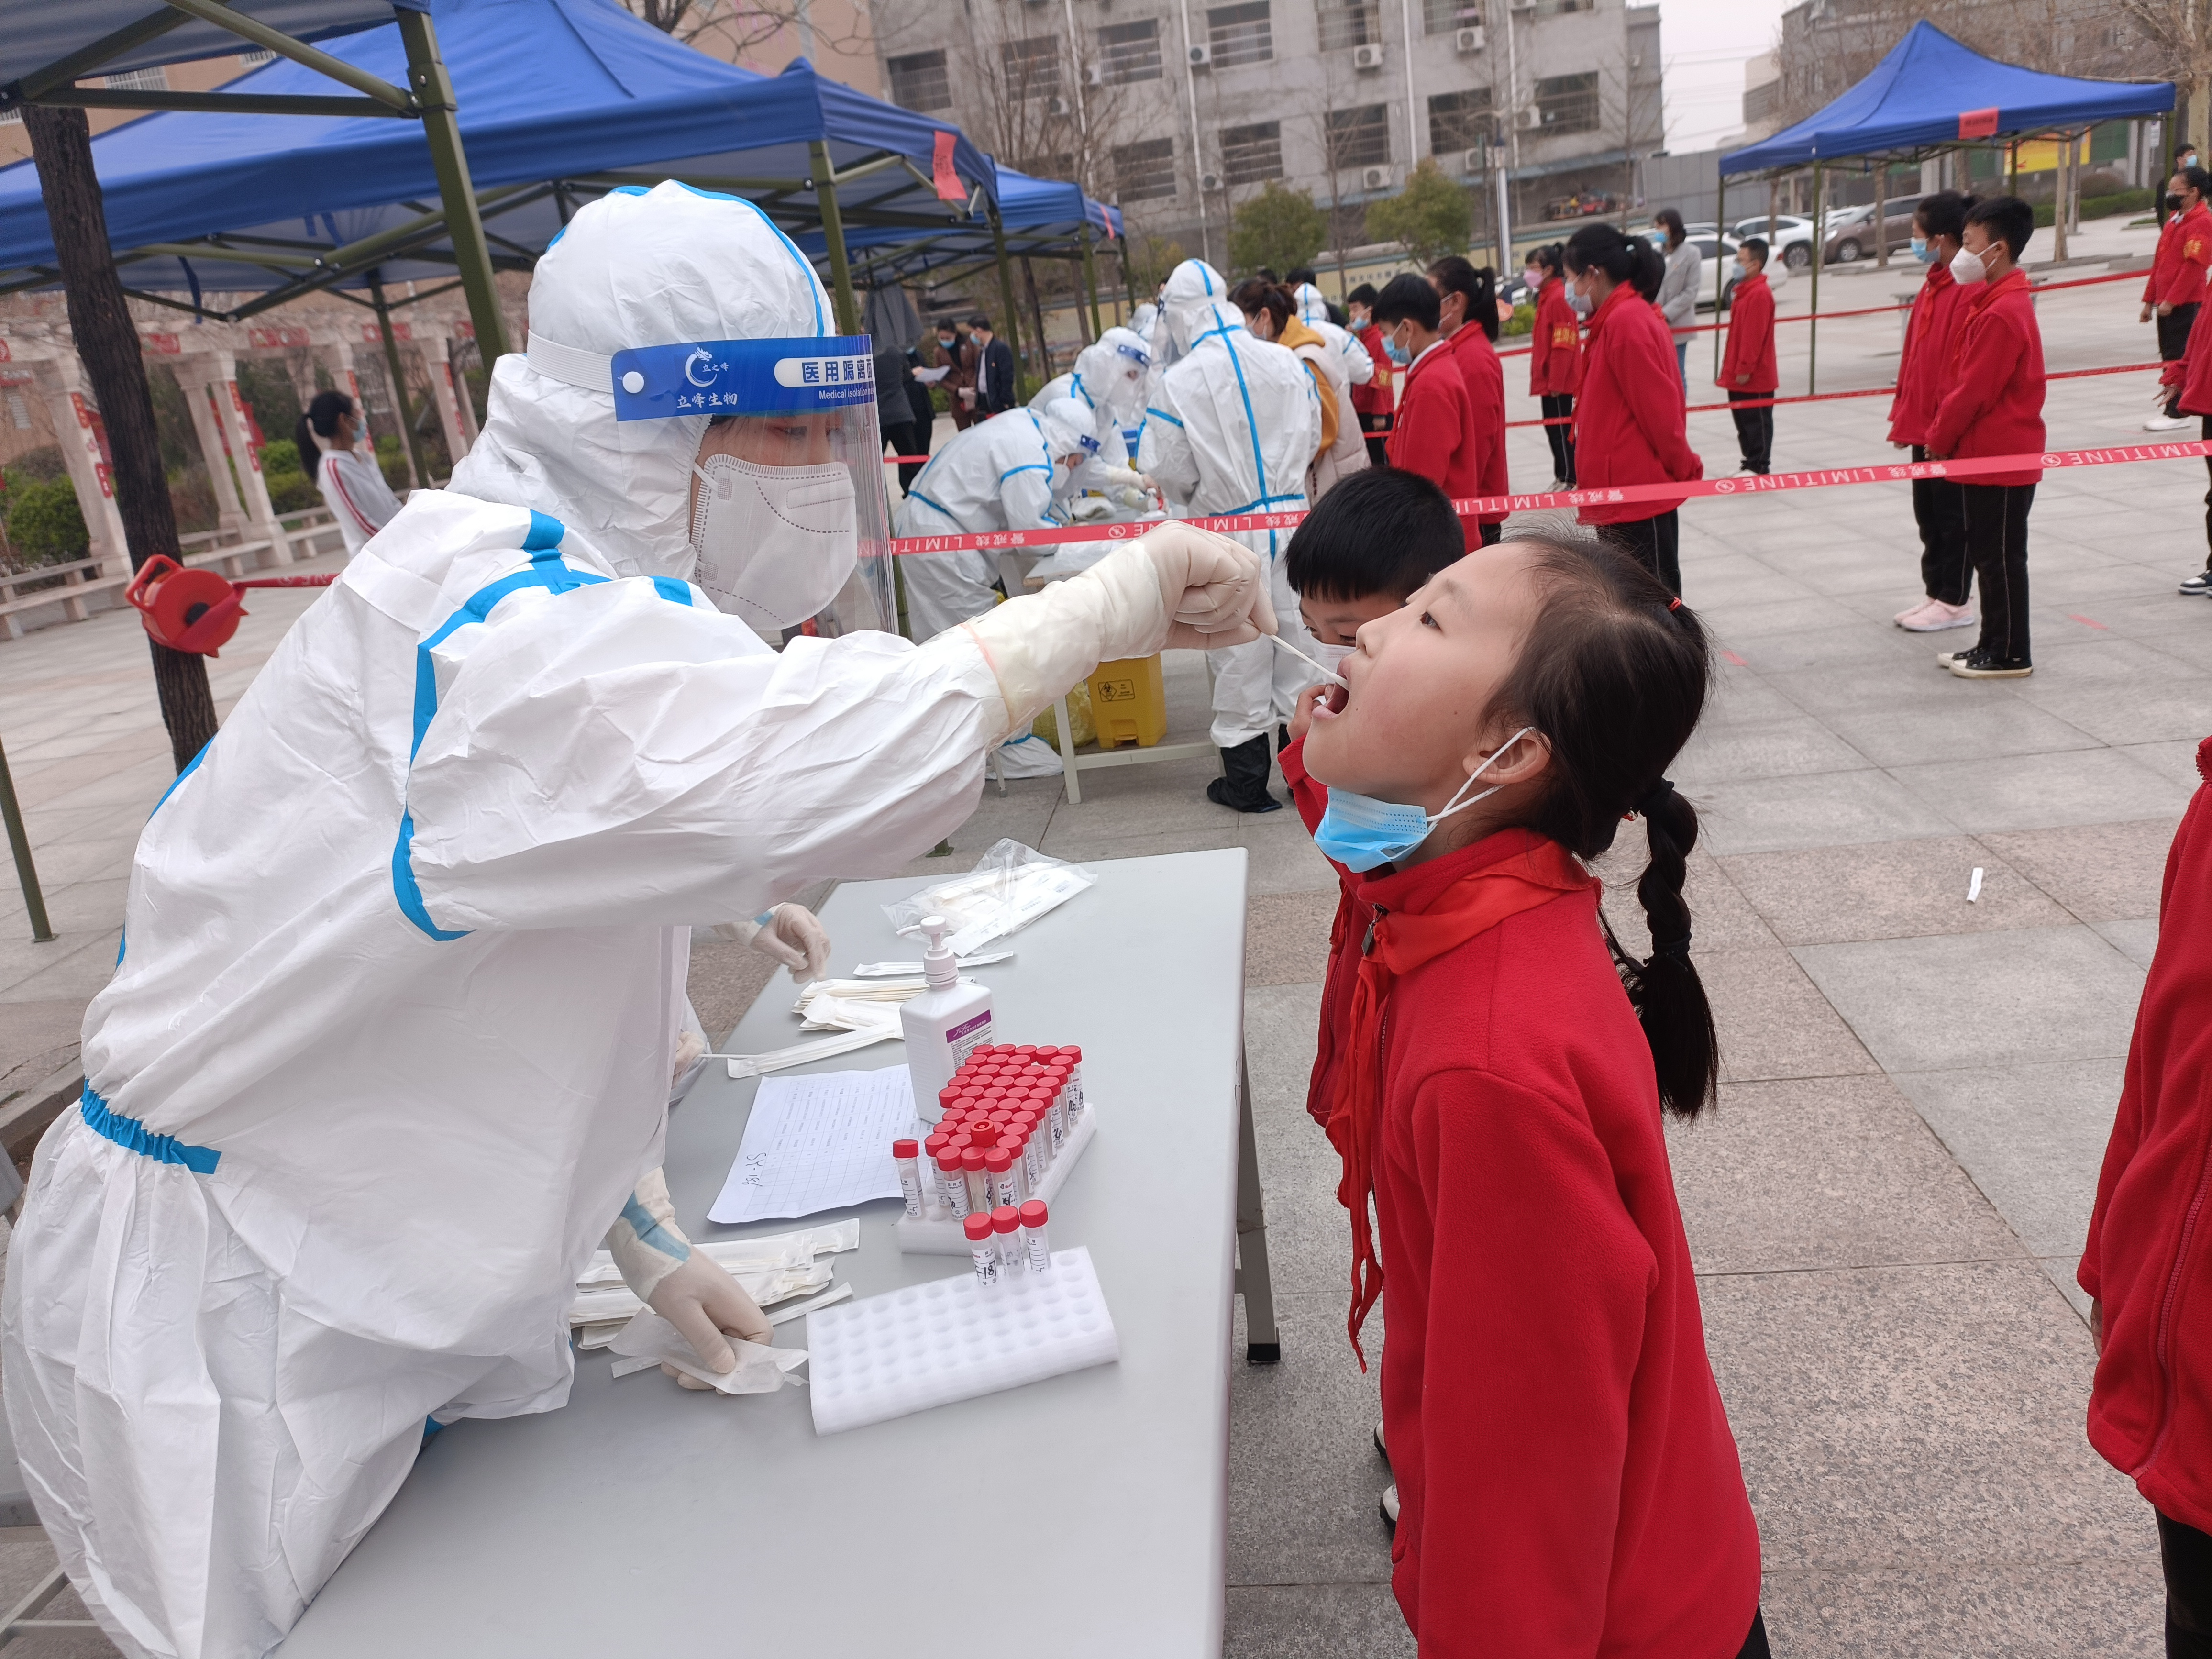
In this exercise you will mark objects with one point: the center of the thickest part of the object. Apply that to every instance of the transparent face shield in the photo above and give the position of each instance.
(789, 516)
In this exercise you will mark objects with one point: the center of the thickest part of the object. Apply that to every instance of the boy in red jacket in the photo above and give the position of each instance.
(1994, 406)
(2176, 286)
(1747, 371)
(1434, 436)
(2147, 1267)
(1555, 359)
(1923, 373)
(1568, 1483)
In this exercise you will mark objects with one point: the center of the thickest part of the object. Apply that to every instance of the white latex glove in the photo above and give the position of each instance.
(1176, 586)
(795, 937)
(1122, 475)
(703, 1301)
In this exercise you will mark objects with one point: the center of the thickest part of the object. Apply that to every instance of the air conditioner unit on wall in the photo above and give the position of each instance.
(1209, 181)
(1529, 120)
(1375, 179)
(1201, 57)
(1094, 74)
(1473, 161)
(1055, 107)
(1367, 57)
(1468, 40)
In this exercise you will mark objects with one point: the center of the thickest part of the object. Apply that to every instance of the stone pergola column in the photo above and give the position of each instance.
(431, 340)
(198, 378)
(230, 410)
(61, 381)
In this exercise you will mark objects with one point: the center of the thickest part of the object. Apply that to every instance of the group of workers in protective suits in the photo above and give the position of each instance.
(1219, 407)
(388, 1049)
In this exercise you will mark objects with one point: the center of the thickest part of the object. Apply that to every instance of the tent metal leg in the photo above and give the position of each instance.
(1720, 264)
(420, 467)
(833, 231)
(1091, 283)
(434, 90)
(1012, 318)
(1819, 258)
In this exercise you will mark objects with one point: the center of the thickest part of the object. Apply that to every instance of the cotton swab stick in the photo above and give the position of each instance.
(1328, 674)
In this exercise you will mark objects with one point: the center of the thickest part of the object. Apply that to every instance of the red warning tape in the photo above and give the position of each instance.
(1492, 507)
(1830, 396)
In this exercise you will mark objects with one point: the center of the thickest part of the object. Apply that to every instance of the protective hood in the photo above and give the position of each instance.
(1195, 300)
(1112, 373)
(636, 268)
(1068, 428)
(1312, 308)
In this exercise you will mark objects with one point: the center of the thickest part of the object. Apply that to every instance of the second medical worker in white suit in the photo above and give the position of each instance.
(387, 1052)
(1233, 426)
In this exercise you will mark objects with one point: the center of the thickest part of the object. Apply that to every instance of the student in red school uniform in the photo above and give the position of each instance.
(1555, 358)
(1747, 371)
(1628, 412)
(1434, 434)
(1467, 301)
(2195, 399)
(1566, 1478)
(2147, 1265)
(1993, 405)
(2176, 286)
(1376, 403)
(1923, 373)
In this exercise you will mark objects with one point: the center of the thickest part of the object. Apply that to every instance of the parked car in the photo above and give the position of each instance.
(1850, 234)
(1789, 241)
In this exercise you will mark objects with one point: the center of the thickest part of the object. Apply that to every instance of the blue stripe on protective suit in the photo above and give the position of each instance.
(131, 1136)
(547, 571)
(651, 1234)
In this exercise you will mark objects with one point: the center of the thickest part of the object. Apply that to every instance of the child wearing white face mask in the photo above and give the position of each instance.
(1566, 1479)
(1992, 405)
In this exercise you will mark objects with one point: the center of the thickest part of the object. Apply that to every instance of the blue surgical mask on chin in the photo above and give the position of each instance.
(1360, 832)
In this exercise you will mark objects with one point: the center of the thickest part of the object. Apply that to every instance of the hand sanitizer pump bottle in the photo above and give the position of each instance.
(944, 1022)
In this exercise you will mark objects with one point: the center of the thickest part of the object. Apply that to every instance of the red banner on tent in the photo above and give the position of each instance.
(949, 187)
(1977, 122)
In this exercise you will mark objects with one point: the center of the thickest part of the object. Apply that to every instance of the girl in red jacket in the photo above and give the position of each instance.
(1567, 1482)
(1628, 414)
(1922, 374)
(1555, 358)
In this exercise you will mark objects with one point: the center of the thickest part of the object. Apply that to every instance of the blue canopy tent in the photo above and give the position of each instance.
(559, 99)
(1039, 218)
(1931, 94)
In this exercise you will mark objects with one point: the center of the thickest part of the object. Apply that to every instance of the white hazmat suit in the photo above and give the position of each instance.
(1109, 380)
(1233, 426)
(388, 1048)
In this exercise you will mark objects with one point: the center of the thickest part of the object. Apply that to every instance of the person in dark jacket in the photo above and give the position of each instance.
(994, 372)
(924, 424)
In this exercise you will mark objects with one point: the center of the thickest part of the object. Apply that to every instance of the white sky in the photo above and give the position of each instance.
(1706, 44)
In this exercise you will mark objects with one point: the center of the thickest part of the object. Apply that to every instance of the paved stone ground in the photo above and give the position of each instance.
(1885, 1210)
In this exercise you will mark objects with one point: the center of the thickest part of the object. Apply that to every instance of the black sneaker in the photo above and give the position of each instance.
(1218, 791)
(2198, 586)
(1988, 666)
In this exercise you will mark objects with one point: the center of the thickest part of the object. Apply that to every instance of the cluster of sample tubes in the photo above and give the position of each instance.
(1004, 1118)
(1009, 1243)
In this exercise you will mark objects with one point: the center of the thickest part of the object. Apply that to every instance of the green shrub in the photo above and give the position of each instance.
(281, 455)
(392, 457)
(1522, 321)
(291, 492)
(45, 524)
(2099, 207)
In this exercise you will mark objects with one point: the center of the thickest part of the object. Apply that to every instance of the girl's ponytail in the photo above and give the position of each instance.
(1669, 997)
(1647, 269)
(1613, 673)
(303, 439)
(321, 415)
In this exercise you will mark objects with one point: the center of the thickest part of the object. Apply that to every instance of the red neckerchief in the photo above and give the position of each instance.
(1402, 941)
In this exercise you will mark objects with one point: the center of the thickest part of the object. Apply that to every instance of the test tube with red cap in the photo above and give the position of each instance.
(907, 1154)
(953, 1184)
(1036, 1248)
(978, 1190)
(1006, 1226)
(999, 1170)
(983, 1249)
(1073, 1056)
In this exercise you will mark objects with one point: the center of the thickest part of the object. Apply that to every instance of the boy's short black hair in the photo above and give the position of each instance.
(1755, 246)
(1303, 274)
(2007, 219)
(979, 320)
(1407, 295)
(1362, 295)
(1944, 214)
(1381, 531)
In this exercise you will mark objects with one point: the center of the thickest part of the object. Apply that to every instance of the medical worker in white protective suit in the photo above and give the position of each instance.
(1313, 312)
(1233, 425)
(1109, 380)
(1014, 471)
(388, 1050)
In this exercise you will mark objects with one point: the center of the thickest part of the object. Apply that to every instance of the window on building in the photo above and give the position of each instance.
(1061, 165)
(920, 82)
(19, 412)
(1569, 103)
(1359, 137)
(1032, 66)
(256, 58)
(1449, 16)
(1129, 52)
(1458, 121)
(1560, 8)
(155, 79)
(1349, 23)
(1240, 34)
(1146, 171)
(1253, 154)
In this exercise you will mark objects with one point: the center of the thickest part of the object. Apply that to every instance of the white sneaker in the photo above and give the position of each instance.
(1945, 658)
(2167, 422)
(1390, 1507)
(1935, 615)
(1379, 1446)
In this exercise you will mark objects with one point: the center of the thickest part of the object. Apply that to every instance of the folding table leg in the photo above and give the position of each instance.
(1263, 1342)
(1067, 752)
(22, 1619)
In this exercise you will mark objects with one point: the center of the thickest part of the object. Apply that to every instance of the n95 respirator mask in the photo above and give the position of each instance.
(775, 544)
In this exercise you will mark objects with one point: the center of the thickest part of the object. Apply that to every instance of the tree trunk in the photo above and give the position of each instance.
(1037, 314)
(107, 341)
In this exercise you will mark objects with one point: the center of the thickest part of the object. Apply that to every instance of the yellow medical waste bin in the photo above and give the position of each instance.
(1128, 702)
